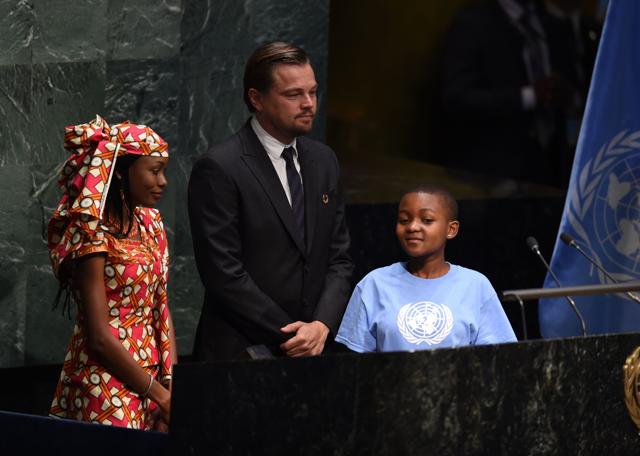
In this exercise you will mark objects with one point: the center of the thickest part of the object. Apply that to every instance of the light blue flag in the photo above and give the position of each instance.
(602, 208)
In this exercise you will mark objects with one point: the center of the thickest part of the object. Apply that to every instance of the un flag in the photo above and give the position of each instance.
(602, 208)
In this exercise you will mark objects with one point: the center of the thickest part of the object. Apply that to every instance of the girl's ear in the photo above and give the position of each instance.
(452, 229)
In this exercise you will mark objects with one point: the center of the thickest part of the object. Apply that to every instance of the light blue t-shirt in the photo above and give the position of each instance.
(393, 310)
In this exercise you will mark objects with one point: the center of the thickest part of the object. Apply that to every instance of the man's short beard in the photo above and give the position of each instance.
(301, 131)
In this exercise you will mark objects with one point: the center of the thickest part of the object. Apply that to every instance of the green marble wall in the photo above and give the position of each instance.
(174, 65)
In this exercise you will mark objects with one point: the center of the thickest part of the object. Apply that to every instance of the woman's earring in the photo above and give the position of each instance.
(122, 198)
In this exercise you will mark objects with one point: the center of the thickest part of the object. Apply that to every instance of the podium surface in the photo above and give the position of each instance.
(561, 396)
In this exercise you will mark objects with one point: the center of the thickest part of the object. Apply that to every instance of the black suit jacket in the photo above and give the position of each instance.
(257, 271)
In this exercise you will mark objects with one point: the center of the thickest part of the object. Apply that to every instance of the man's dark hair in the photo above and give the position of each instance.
(445, 196)
(258, 72)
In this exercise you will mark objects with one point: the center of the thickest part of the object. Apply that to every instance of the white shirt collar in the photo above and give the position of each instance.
(273, 147)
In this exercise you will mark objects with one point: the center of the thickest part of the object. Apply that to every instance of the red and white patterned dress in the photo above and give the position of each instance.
(135, 278)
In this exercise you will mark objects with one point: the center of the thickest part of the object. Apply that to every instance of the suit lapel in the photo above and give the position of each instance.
(310, 184)
(260, 165)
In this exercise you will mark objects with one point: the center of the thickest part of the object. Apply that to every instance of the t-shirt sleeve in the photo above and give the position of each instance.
(494, 327)
(355, 330)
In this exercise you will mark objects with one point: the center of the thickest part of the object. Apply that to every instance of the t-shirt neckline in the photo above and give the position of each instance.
(447, 275)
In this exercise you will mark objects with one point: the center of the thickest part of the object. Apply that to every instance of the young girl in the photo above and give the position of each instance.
(426, 302)
(108, 248)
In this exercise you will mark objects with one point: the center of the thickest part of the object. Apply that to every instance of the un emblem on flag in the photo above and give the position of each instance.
(605, 206)
(425, 322)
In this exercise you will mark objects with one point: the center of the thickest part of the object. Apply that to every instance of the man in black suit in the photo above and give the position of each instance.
(267, 221)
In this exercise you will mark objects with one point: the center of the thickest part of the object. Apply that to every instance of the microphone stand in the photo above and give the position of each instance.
(571, 243)
(572, 303)
(522, 317)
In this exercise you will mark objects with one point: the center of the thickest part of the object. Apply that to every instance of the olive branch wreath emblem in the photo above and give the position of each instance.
(631, 378)
(590, 177)
(435, 338)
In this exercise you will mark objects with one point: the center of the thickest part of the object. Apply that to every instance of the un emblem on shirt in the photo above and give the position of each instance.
(425, 322)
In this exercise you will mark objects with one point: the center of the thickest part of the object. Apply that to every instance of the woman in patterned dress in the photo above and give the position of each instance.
(109, 250)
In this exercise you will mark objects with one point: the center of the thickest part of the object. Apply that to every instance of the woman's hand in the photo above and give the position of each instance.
(161, 396)
(160, 416)
(161, 426)
(156, 422)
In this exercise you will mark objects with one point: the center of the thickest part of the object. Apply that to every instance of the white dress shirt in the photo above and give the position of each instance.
(274, 149)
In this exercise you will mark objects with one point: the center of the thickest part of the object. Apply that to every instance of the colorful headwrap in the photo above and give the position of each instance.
(86, 177)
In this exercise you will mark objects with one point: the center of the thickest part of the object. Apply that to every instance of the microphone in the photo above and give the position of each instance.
(533, 245)
(564, 237)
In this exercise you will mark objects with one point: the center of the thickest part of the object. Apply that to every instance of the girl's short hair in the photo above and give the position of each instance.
(441, 192)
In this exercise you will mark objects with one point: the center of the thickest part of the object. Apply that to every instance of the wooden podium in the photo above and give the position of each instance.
(550, 397)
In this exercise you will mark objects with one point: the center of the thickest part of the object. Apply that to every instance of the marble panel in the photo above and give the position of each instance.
(215, 28)
(146, 92)
(212, 100)
(186, 293)
(13, 255)
(186, 296)
(12, 310)
(143, 29)
(69, 31)
(13, 219)
(208, 28)
(305, 23)
(15, 109)
(179, 172)
(16, 31)
(44, 195)
(211, 106)
(62, 94)
(47, 329)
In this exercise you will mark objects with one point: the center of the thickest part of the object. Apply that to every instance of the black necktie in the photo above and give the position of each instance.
(295, 187)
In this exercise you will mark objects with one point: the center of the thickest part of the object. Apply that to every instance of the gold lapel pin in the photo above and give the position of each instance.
(325, 198)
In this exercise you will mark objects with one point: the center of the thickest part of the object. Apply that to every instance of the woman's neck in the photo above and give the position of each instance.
(119, 218)
(428, 268)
